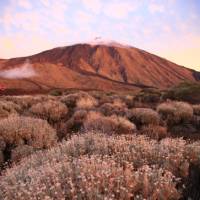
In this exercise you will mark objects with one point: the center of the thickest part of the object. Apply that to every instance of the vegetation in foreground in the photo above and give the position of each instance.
(92, 145)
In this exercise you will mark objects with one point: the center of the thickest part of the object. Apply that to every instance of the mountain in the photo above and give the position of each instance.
(104, 66)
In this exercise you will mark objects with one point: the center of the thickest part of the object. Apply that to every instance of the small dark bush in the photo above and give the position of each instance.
(55, 93)
(189, 92)
(149, 96)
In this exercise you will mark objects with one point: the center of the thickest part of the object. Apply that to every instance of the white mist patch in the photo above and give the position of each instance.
(24, 71)
(100, 41)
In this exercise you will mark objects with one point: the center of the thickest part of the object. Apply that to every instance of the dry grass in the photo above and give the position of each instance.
(175, 112)
(143, 116)
(112, 124)
(50, 110)
(120, 167)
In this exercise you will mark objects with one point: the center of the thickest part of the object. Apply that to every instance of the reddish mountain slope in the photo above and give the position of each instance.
(87, 66)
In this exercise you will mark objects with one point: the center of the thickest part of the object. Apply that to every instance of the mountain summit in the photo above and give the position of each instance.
(100, 65)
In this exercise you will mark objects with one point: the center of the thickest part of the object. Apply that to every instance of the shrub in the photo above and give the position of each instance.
(71, 99)
(119, 167)
(86, 103)
(1, 158)
(75, 123)
(52, 111)
(148, 96)
(16, 131)
(196, 109)
(26, 101)
(116, 108)
(88, 178)
(35, 132)
(155, 131)
(104, 99)
(185, 130)
(196, 122)
(128, 99)
(143, 116)
(189, 92)
(7, 108)
(113, 124)
(2, 144)
(20, 152)
(55, 92)
(175, 112)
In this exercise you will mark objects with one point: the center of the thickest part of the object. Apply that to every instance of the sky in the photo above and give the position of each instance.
(168, 28)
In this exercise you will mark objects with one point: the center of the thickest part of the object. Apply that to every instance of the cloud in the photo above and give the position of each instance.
(154, 7)
(119, 9)
(25, 4)
(114, 8)
(39, 19)
(83, 18)
(24, 71)
(45, 2)
(94, 5)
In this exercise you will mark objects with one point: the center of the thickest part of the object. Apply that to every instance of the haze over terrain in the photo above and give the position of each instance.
(169, 28)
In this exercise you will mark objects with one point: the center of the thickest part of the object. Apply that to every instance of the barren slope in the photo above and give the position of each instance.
(87, 66)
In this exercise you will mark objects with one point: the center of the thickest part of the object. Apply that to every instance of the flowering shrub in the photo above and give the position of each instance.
(88, 178)
(52, 111)
(113, 124)
(175, 112)
(115, 167)
(143, 116)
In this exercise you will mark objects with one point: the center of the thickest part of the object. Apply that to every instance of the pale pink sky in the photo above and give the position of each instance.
(168, 28)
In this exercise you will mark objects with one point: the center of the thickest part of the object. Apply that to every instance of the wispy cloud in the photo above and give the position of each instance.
(120, 9)
(25, 4)
(154, 7)
(24, 71)
(93, 5)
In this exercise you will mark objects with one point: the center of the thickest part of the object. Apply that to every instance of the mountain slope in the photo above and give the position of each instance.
(111, 67)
